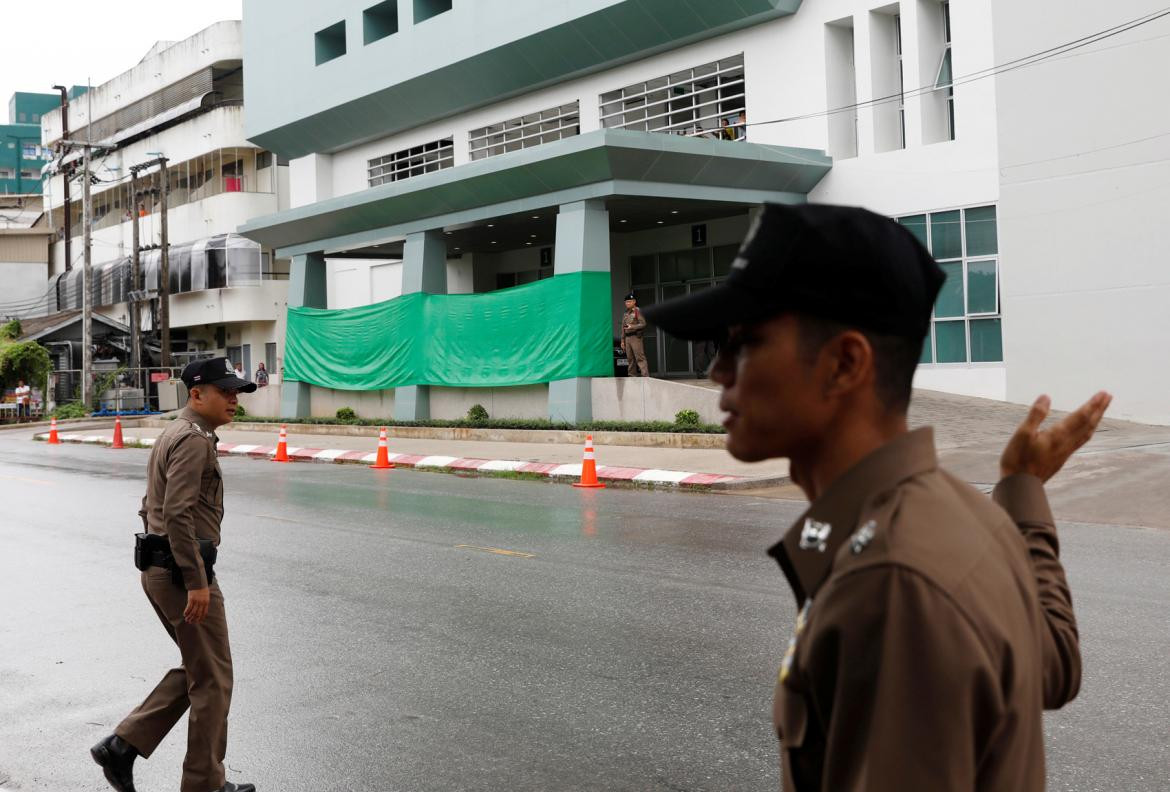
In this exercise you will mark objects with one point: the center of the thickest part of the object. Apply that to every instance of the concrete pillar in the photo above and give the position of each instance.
(306, 287)
(424, 269)
(582, 246)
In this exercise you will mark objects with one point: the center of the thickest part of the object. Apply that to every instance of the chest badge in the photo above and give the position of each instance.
(862, 537)
(814, 535)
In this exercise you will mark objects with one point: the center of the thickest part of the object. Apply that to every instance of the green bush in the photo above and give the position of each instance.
(687, 418)
(508, 423)
(240, 411)
(10, 330)
(70, 410)
(477, 414)
(346, 415)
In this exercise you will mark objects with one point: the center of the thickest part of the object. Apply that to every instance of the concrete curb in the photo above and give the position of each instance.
(573, 437)
(506, 468)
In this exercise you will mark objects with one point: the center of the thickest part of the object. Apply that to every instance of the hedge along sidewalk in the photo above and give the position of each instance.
(651, 467)
(659, 439)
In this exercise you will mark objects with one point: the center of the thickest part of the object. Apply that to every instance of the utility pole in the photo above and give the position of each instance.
(68, 214)
(164, 307)
(135, 281)
(86, 289)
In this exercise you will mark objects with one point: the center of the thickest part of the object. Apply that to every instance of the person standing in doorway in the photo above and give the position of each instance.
(183, 510)
(633, 326)
(261, 376)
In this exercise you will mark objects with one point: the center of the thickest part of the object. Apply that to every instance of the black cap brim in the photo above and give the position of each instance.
(235, 383)
(706, 315)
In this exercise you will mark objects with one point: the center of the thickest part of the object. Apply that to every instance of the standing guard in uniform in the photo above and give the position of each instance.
(633, 325)
(182, 512)
(935, 624)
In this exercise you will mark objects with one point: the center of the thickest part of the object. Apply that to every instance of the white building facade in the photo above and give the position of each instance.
(476, 124)
(182, 101)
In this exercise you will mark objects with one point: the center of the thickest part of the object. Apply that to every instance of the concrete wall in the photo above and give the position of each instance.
(23, 283)
(647, 399)
(1085, 197)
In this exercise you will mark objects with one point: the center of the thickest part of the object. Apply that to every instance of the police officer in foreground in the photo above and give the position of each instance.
(182, 512)
(935, 624)
(633, 326)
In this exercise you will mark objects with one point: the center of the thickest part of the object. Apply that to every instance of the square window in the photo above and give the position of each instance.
(330, 43)
(425, 9)
(950, 296)
(951, 340)
(917, 226)
(946, 235)
(986, 341)
(982, 290)
(380, 21)
(981, 232)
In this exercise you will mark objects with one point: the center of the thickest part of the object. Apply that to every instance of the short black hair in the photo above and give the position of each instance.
(895, 358)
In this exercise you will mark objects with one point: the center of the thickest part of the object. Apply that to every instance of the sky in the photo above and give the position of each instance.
(84, 40)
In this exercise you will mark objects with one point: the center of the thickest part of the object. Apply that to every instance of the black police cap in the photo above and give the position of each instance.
(838, 263)
(630, 296)
(215, 371)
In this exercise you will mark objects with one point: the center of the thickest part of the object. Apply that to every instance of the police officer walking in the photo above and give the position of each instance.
(182, 512)
(935, 624)
(633, 325)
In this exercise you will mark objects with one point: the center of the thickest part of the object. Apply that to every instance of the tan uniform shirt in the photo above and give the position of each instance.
(633, 323)
(934, 629)
(184, 492)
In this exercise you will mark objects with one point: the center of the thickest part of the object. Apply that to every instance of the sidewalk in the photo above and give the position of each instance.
(632, 465)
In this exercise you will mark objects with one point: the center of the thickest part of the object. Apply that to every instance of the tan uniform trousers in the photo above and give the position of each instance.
(636, 355)
(203, 682)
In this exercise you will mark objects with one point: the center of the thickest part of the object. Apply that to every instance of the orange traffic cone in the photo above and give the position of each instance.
(282, 445)
(589, 468)
(53, 439)
(117, 433)
(383, 461)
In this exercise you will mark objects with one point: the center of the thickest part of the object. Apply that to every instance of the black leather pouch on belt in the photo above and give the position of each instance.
(154, 550)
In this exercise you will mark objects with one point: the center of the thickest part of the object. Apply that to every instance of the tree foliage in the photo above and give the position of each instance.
(21, 360)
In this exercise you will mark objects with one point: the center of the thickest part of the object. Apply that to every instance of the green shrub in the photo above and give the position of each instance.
(507, 423)
(70, 410)
(346, 415)
(240, 411)
(477, 414)
(688, 418)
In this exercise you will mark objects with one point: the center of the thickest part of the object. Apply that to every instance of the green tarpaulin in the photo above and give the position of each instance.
(552, 329)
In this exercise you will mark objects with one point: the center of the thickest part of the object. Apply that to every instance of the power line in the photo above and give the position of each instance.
(982, 74)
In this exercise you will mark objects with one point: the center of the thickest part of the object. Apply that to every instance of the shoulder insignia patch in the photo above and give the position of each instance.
(814, 535)
(862, 537)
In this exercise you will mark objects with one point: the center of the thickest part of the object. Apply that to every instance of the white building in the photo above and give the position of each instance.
(515, 139)
(184, 101)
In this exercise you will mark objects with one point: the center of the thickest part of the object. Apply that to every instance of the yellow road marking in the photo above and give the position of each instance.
(497, 551)
(26, 480)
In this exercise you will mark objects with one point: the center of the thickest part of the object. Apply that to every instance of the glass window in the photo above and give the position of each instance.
(986, 341)
(668, 267)
(951, 341)
(927, 355)
(724, 255)
(641, 269)
(243, 261)
(946, 235)
(917, 226)
(950, 297)
(982, 291)
(982, 239)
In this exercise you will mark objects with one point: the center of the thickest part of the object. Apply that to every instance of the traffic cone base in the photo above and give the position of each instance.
(383, 460)
(117, 433)
(53, 439)
(589, 468)
(282, 445)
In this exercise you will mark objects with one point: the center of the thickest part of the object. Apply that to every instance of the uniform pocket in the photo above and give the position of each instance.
(213, 487)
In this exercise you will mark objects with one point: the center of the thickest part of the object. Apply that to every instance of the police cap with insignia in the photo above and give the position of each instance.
(839, 263)
(630, 296)
(215, 371)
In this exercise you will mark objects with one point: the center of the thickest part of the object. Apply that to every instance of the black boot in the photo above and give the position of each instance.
(230, 787)
(116, 756)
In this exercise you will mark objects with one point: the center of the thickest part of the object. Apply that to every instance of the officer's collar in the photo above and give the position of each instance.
(806, 552)
(197, 419)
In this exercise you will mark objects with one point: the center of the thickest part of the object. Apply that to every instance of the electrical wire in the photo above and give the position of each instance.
(982, 74)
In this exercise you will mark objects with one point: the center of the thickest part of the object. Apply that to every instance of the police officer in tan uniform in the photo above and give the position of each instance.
(935, 624)
(184, 503)
(633, 325)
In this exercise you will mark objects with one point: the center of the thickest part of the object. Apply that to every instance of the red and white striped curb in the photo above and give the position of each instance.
(552, 470)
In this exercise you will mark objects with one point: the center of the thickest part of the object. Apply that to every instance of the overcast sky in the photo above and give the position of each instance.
(80, 40)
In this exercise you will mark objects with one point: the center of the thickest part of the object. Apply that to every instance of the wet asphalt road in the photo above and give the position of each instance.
(627, 641)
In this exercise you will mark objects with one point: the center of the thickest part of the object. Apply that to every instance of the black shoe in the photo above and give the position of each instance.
(116, 756)
(230, 787)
